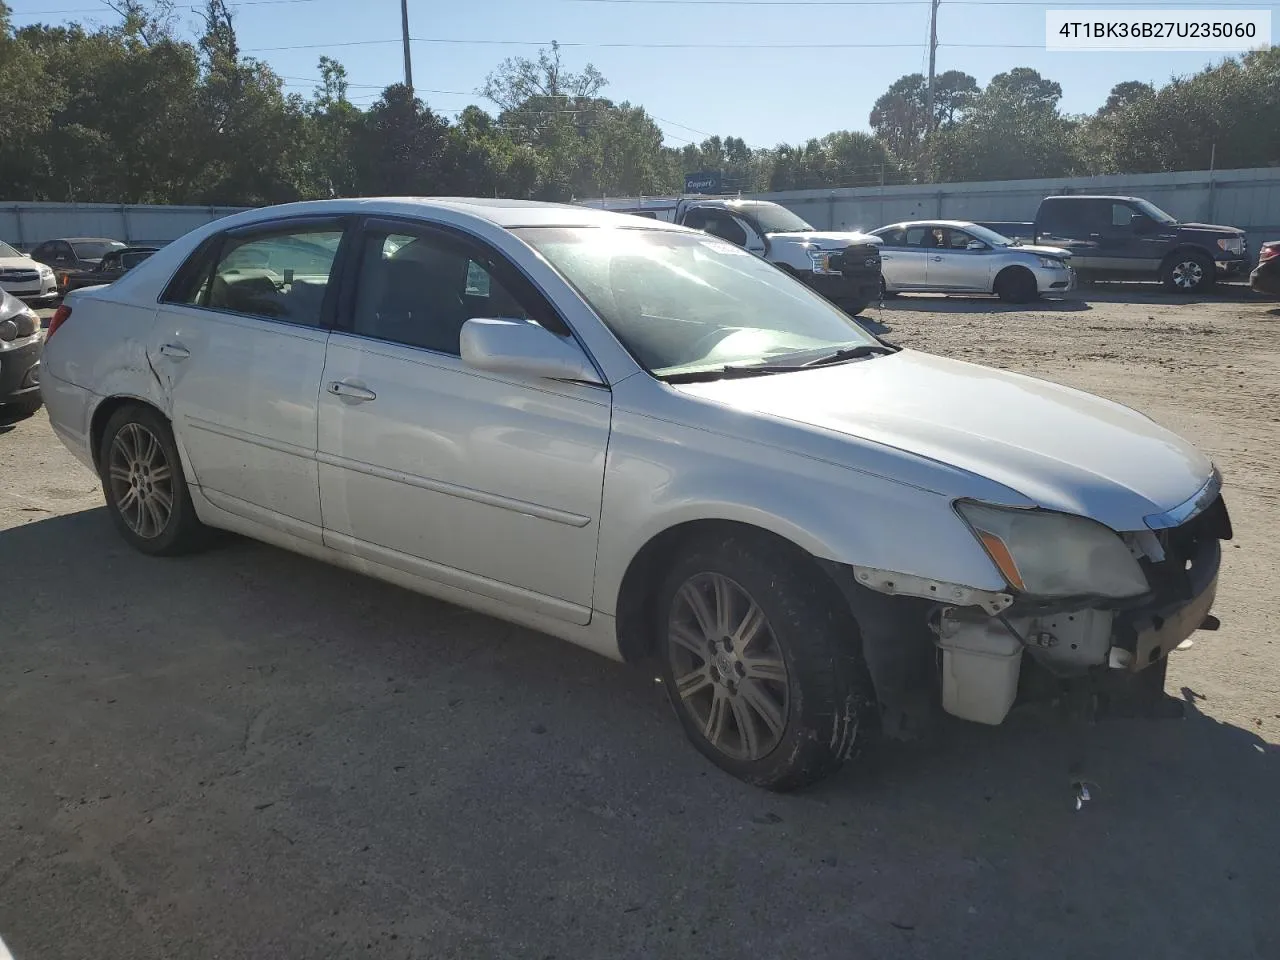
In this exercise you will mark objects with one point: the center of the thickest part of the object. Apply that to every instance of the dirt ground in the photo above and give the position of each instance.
(249, 754)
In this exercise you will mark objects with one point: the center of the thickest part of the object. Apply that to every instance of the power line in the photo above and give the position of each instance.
(176, 6)
(656, 45)
(1060, 4)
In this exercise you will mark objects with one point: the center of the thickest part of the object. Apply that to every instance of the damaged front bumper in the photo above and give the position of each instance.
(979, 651)
(982, 654)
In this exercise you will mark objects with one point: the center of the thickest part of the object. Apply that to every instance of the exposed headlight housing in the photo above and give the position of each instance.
(1232, 245)
(1053, 263)
(1054, 555)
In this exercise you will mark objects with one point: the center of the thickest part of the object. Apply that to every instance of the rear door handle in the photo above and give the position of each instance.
(936, 259)
(174, 351)
(351, 391)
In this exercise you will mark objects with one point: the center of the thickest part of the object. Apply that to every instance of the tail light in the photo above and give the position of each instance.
(59, 318)
(1268, 251)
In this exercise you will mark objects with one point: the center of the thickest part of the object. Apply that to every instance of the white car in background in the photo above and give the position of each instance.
(648, 441)
(24, 277)
(957, 256)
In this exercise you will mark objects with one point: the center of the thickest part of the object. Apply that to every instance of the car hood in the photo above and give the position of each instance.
(1059, 252)
(828, 239)
(1213, 228)
(1061, 448)
(19, 263)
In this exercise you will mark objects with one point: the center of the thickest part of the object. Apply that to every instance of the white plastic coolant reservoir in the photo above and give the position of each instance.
(980, 665)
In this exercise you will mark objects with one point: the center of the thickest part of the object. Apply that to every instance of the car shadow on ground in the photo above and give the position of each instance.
(246, 747)
(1110, 291)
(977, 303)
(11, 415)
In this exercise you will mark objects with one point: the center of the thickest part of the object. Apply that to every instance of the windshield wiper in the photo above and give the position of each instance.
(737, 371)
(731, 372)
(860, 352)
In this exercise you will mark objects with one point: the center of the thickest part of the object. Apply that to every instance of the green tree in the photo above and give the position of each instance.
(1011, 131)
(402, 146)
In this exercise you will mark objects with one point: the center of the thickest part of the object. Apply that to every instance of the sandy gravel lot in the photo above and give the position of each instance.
(249, 754)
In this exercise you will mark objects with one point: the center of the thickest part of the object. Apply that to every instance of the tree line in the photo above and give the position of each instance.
(132, 113)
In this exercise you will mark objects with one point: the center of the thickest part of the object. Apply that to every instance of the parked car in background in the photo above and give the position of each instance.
(1266, 275)
(21, 340)
(842, 265)
(957, 256)
(645, 441)
(24, 277)
(1128, 238)
(113, 265)
(71, 256)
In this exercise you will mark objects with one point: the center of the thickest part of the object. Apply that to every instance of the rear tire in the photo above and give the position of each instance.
(1188, 273)
(761, 662)
(143, 483)
(1016, 285)
(885, 292)
(853, 307)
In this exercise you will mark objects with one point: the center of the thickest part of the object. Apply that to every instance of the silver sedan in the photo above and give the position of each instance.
(956, 256)
(644, 440)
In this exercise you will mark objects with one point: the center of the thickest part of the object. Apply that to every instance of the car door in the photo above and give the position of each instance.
(908, 262)
(953, 266)
(1129, 249)
(1075, 224)
(483, 482)
(239, 345)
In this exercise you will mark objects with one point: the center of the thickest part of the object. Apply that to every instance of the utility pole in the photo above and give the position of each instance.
(408, 62)
(933, 61)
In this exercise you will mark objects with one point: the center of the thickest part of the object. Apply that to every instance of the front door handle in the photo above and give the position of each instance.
(351, 391)
(174, 351)
(936, 259)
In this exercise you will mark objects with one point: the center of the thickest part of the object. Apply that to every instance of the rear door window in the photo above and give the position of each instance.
(276, 276)
(919, 237)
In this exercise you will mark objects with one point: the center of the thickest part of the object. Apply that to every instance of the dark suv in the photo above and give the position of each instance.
(1128, 238)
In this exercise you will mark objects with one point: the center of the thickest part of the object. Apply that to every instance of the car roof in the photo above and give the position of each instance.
(927, 223)
(507, 214)
(84, 240)
(1088, 196)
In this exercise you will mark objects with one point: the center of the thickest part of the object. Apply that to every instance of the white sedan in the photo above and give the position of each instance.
(957, 256)
(24, 277)
(646, 441)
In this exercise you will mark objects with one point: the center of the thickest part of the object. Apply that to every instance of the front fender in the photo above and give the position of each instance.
(660, 475)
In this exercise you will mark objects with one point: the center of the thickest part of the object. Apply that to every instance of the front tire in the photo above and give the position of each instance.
(1016, 285)
(853, 307)
(761, 662)
(143, 483)
(1188, 273)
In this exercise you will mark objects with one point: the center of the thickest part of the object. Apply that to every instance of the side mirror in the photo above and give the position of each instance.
(975, 245)
(524, 348)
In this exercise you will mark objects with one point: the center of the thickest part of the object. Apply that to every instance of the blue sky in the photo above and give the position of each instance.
(766, 96)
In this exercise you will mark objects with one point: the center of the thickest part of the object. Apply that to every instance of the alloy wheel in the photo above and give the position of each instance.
(141, 480)
(730, 674)
(1188, 275)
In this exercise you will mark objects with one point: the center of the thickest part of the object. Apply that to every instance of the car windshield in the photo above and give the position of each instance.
(987, 236)
(8, 251)
(773, 218)
(1154, 212)
(682, 303)
(94, 249)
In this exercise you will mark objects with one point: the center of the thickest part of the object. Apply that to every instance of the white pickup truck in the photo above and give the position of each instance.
(843, 266)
